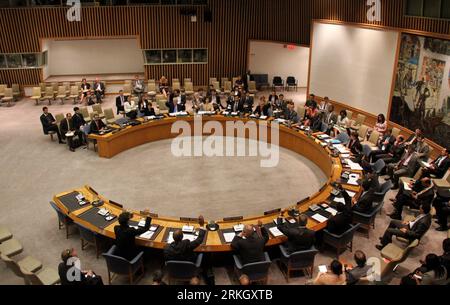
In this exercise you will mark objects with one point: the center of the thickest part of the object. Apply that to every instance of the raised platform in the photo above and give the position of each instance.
(90, 78)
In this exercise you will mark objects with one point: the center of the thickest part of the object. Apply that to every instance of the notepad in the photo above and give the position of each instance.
(323, 269)
(147, 235)
(229, 237)
(331, 211)
(275, 232)
(319, 218)
(339, 199)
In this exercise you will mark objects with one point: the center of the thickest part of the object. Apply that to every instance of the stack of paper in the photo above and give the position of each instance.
(229, 237)
(319, 218)
(353, 179)
(353, 165)
(331, 211)
(147, 235)
(275, 232)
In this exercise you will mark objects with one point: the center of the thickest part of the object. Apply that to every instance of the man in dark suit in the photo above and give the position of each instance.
(411, 230)
(125, 236)
(404, 168)
(249, 244)
(67, 126)
(299, 237)
(183, 250)
(215, 100)
(422, 193)
(384, 145)
(273, 98)
(78, 119)
(439, 166)
(247, 102)
(177, 102)
(341, 222)
(70, 274)
(49, 124)
(236, 105)
(442, 207)
(364, 203)
(99, 90)
(97, 124)
(120, 102)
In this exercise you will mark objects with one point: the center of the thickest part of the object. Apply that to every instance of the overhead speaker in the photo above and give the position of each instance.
(207, 15)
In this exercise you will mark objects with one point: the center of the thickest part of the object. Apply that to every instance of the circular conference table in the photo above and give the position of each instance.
(111, 144)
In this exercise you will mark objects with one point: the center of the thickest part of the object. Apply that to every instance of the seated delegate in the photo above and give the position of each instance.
(250, 243)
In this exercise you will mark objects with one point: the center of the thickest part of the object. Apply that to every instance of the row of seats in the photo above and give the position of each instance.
(28, 268)
(8, 95)
(55, 91)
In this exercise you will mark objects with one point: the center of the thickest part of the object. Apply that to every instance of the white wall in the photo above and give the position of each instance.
(96, 56)
(275, 60)
(353, 65)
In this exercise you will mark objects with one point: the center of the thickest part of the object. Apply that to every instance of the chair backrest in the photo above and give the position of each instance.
(374, 136)
(408, 250)
(349, 114)
(109, 114)
(59, 213)
(85, 233)
(97, 108)
(127, 88)
(8, 92)
(188, 86)
(177, 80)
(379, 165)
(223, 80)
(187, 80)
(176, 85)
(55, 86)
(84, 111)
(181, 269)
(228, 85)
(59, 117)
(151, 86)
(78, 85)
(234, 79)
(74, 90)
(344, 238)
(343, 138)
(303, 258)
(43, 86)
(366, 150)
(362, 131)
(15, 88)
(67, 85)
(128, 82)
(91, 115)
(216, 85)
(360, 118)
(161, 105)
(252, 85)
(395, 132)
(277, 80)
(2, 88)
(62, 90)
(385, 187)
(36, 91)
(116, 264)
(290, 80)
(301, 111)
(212, 80)
(257, 270)
(11, 264)
(31, 277)
(48, 91)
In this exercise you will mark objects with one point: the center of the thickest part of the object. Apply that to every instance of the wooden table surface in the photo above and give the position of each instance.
(112, 144)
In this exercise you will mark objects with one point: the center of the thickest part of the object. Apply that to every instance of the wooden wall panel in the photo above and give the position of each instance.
(234, 23)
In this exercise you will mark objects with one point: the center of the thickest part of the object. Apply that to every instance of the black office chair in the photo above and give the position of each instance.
(184, 270)
(63, 220)
(89, 237)
(291, 82)
(339, 242)
(300, 260)
(256, 272)
(119, 265)
(367, 220)
(278, 83)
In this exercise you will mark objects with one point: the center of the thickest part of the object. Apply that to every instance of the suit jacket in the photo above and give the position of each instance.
(240, 105)
(355, 147)
(419, 228)
(365, 202)
(291, 116)
(65, 126)
(299, 238)
(125, 239)
(119, 103)
(86, 86)
(440, 170)
(46, 121)
(390, 139)
(78, 121)
(251, 249)
(411, 166)
(264, 111)
(247, 104)
(215, 99)
(330, 118)
(170, 104)
(341, 222)
(102, 87)
(270, 98)
(422, 150)
(183, 250)
(94, 128)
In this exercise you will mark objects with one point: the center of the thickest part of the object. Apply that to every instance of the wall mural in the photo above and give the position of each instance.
(422, 87)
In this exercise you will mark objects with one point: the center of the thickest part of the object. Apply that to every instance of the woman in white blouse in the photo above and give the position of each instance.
(380, 126)
(130, 108)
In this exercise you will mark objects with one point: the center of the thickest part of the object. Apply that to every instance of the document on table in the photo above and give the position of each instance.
(190, 237)
(341, 148)
(353, 165)
(275, 232)
(406, 186)
(147, 235)
(142, 222)
(339, 199)
(323, 269)
(351, 194)
(319, 218)
(353, 179)
(229, 237)
(331, 211)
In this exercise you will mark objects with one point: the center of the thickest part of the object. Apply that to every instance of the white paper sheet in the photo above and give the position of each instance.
(319, 218)
(275, 232)
(332, 211)
(147, 235)
(228, 237)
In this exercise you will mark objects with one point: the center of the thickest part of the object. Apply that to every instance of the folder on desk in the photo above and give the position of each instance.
(319, 218)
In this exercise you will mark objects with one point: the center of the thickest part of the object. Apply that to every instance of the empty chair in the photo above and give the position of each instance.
(48, 95)
(379, 166)
(10, 247)
(128, 82)
(16, 91)
(252, 87)
(256, 272)
(98, 108)
(59, 117)
(367, 220)
(109, 116)
(373, 139)
(177, 80)
(127, 89)
(5, 234)
(212, 80)
(349, 114)
(187, 80)
(45, 276)
(89, 237)
(277, 83)
(366, 150)
(78, 85)
(151, 89)
(223, 80)
(120, 266)
(189, 88)
(216, 86)
(443, 183)
(162, 107)
(28, 263)
(291, 82)
(8, 96)
(362, 132)
(183, 270)
(61, 94)
(176, 85)
(343, 138)
(360, 118)
(84, 111)
(301, 111)
(36, 95)
(227, 88)
(67, 86)
(2, 89)
(395, 255)
(74, 93)
(395, 132)
(300, 260)
(43, 87)
(339, 242)
(55, 88)
(63, 220)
